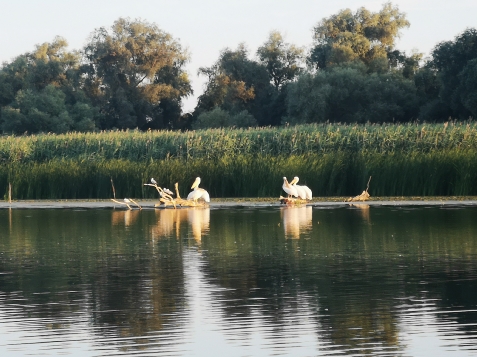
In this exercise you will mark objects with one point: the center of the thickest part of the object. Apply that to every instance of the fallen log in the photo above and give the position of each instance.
(364, 196)
(166, 199)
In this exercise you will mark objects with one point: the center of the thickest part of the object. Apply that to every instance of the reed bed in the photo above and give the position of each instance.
(332, 159)
(215, 143)
(451, 173)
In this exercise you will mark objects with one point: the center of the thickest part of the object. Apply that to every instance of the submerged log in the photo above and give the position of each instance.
(364, 196)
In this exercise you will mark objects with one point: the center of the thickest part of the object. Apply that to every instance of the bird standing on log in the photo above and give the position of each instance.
(198, 192)
(289, 189)
(303, 191)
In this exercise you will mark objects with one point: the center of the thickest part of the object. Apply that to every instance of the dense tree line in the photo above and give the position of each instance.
(132, 76)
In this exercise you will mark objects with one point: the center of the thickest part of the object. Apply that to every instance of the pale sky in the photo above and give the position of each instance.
(205, 27)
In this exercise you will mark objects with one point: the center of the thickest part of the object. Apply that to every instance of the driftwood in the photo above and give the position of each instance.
(167, 200)
(364, 196)
(291, 201)
(126, 202)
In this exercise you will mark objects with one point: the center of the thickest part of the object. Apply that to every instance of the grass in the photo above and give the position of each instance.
(332, 159)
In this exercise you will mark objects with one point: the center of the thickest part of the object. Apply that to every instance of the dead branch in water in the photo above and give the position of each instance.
(167, 200)
(364, 196)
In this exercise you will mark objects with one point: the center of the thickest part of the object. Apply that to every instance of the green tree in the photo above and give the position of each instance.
(282, 60)
(349, 94)
(41, 91)
(37, 111)
(216, 118)
(135, 74)
(363, 36)
(453, 62)
(219, 118)
(236, 83)
(467, 89)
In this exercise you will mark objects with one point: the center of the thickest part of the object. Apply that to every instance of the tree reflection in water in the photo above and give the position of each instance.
(353, 279)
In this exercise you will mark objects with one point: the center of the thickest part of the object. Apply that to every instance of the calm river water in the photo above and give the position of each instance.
(266, 281)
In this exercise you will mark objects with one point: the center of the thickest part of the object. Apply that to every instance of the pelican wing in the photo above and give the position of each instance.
(301, 191)
(205, 196)
(309, 195)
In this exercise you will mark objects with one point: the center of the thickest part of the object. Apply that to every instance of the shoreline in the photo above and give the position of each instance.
(243, 202)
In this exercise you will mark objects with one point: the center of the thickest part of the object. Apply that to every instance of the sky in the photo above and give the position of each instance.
(206, 27)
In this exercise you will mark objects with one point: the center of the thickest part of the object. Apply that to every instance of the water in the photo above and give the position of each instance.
(276, 281)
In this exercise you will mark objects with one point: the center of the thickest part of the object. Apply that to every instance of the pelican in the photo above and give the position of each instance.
(154, 182)
(289, 189)
(198, 192)
(299, 189)
(302, 188)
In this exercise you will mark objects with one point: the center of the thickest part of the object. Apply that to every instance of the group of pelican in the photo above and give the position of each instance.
(294, 190)
(291, 188)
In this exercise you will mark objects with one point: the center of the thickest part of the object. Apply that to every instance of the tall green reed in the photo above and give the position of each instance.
(332, 159)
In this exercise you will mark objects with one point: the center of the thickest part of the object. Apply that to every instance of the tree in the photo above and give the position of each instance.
(454, 64)
(235, 83)
(41, 91)
(135, 74)
(349, 94)
(37, 111)
(282, 60)
(467, 89)
(363, 36)
(219, 118)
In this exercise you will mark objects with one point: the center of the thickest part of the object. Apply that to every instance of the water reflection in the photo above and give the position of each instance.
(363, 209)
(263, 282)
(169, 222)
(296, 219)
(125, 218)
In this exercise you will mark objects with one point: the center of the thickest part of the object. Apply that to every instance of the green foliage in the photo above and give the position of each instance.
(213, 144)
(332, 159)
(348, 94)
(218, 118)
(39, 92)
(282, 60)
(236, 83)
(131, 70)
(467, 89)
(454, 63)
(364, 36)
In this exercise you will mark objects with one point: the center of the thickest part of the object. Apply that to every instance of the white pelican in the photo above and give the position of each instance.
(153, 181)
(299, 189)
(289, 189)
(198, 192)
(307, 192)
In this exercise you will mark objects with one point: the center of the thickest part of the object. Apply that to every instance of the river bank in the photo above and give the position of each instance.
(243, 202)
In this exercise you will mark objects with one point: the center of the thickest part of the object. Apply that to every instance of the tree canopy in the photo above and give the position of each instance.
(40, 92)
(135, 74)
(454, 63)
(363, 36)
(132, 75)
(282, 60)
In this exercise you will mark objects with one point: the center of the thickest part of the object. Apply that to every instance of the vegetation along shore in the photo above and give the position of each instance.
(412, 159)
